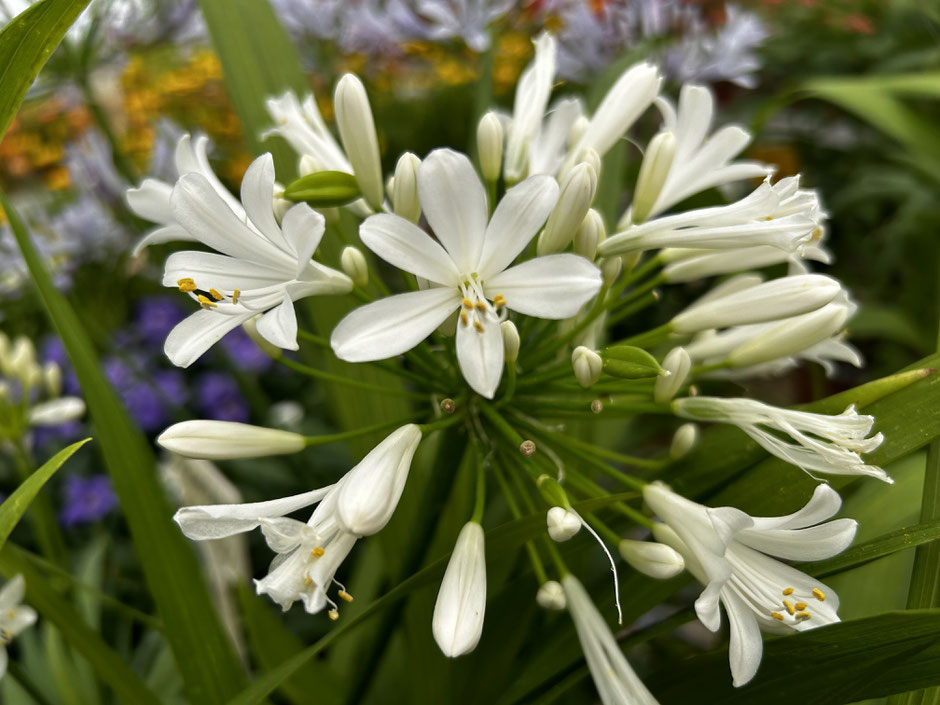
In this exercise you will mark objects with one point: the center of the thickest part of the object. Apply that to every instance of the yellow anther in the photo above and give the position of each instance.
(478, 326)
(788, 591)
(803, 615)
(214, 293)
(499, 301)
(800, 605)
(11, 614)
(343, 595)
(463, 318)
(777, 615)
(819, 594)
(317, 552)
(481, 306)
(789, 606)
(308, 581)
(206, 301)
(235, 295)
(334, 614)
(186, 285)
(467, 304)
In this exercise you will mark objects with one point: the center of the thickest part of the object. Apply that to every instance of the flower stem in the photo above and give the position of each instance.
(339, 379)
(314, 441)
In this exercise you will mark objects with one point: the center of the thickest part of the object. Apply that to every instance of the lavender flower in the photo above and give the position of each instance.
(150, 396)
(245, 353)
(86, 500)
(218, 397)
(155, 318)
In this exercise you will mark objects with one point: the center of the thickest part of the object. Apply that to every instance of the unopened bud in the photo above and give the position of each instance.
(448, 406)
(354, 265)
(280, 204)
(551, 596)
(587, 365)
(251, 329)
(577, 194)
(592, 158)
(610, 269)
(552, 491)
(323, 189)
(405, 188)
(21, 359)
(791, 336)
(683, 441)
(630, 260)
(490, 146)
(652, 176)
(527, 448)
(224, 440)
(357, 131)
(656, 560)
(510, 341)
(52, 379)
(590, 234)
(678, 364)
(578, 128)
(630, 362)
(562, 523)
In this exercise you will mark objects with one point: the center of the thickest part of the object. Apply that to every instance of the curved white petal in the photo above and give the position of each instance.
(554, 286)
(454, 204)
(257, 194)
(279, 325)
(532, 92)
(706, 606)
(303, 229)
(745, 646)
(824, 503)
(406, 246)
(282, 534)
(480, 356)
(191, 157)
(12, 592)
(393, 325)
(158, 236)
(518, 217)
(56, 411)
(209, 270)
(812, 544)
(198, 332)
(151, 200)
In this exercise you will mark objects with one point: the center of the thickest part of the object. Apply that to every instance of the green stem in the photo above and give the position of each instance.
(23, 679)
(650, 337)
(480, 501)
(637, 306)
(315, 441)
(510, 383)
(537, 566)
(443, 423)
(339, 379)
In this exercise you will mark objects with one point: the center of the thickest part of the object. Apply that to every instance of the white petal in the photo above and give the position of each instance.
(480, 356)
(56, 411)
(393, 325)
(198, 332)
(554, 286)
(408, 247)
(745, 644)
(454, 204)
(12, 592)
(518, 217)
(190, 156)
(158, 236)
(303, 229)
(151, 200)
(210, 270)
(4, 659)
(258, 199)
(279, 325)
(282, 534)
(812, 544)
(824, 503)
(706, 606)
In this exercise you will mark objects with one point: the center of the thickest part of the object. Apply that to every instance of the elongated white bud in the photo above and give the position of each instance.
(224, 440)
(656, 560)
(52, 379)
(593, 160)
(22, 359)
(56, 411)
(577, 194)
(490, 146)
(683, 441)
(562, 523)
(587, 365)
(590, 234)
(551, 596)
(461, 602)
(357, 131)
(354, 265)
(610, 269)
(405, 188)
(677, 363)
(511, 341)
(653, 172)
(791, 336)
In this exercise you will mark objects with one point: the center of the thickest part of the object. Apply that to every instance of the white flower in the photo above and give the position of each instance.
(614, 679)
(688, 264)
(14, 616)
(306, 132)
(729, 552)
(813, 442)
(467, 19)
(264, 266)
(224, 440)
(461, 602)
(469, 270)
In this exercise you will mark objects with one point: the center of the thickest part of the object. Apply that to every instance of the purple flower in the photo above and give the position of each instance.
(86, 499)
(218, 397)
(155, 318)
(150, 396)
(245, 353)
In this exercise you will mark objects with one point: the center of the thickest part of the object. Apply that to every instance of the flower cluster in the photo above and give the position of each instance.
(516, 313)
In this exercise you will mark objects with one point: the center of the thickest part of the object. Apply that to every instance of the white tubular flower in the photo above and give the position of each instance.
(469, 270)
(405, 188)
(371, 490)
(730, 553)
(700, 163)
(656, 560)
(461, 602)
(587, 364)
(772, 215)
(14, 616)
(779, 298)
(614, 679)
(263, 266)
(56, 411)
(677, 365)
(551, 596)
(357, 130)
(689, 264)
(577, 194)
(563, 524)
(225, 440)
(490, 146)
(532, 92)
(813, 442)
(653, 172)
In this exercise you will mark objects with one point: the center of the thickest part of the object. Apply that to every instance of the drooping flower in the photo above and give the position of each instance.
(461, 601)
(14, 616)
(730, 553)
(469, 270)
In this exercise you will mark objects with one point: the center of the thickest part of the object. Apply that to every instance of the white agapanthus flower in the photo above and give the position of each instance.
(688, 264)
(614, 679)
(14, 616)
(730, 553)
(830, 444)
(468, 269)
(457, 623)
(264, 266)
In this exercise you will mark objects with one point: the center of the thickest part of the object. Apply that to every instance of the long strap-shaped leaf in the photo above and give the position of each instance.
(205, 657)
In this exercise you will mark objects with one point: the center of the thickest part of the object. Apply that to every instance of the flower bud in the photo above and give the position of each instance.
(251, 330)
(562, 523)
(656, 560)
(551, 491)
(587, 365)
(683, 441)
(791, 336)
(577, 194)
(322, 189)
(22, 358)
(590, 234)
(610, 269)
(592, 159)
(551, 596)
(225, 440)
(357, 131)
(678, 364)
(405, 188)
(578, 128)
(490, 146)
(52, 379)
(56, 411)
(354, 265)
(630, 362)
(510, 341)
(653, 172)
(461, 602)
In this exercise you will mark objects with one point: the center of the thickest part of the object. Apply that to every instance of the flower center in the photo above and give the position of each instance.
(207, 299)
(476, 310)
(796, 609)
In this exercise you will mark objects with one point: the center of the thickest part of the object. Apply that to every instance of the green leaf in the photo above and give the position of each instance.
(16, 504)
(205, 657)
(899, 540)
(107, 663)
(26, 43)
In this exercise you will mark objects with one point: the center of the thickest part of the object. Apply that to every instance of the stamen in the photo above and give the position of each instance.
(463, 319)
(343, 595)
(334, 614)
(317, 552)
(777, 615)
(789, 606)
(800, 606)
(308, 581)
(481, 306)
(205, 301)
(788, 591)
(186, 285)
(235, 295)
(478, 326)
(819, 594)
(467, 304)
(613, 566)
(499, 301)
(803, 615)
(214, 293)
